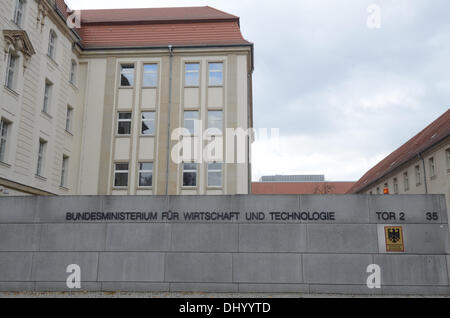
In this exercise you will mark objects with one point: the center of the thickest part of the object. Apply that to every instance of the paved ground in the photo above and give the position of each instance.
(184, 295)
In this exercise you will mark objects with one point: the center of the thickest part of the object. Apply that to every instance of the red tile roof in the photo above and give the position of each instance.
(301, 187)
(157, 27)
(430, 136)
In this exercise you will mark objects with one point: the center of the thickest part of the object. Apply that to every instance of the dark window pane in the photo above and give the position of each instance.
(124, 128)
(121, 179)
(145, 179)
(190, 179)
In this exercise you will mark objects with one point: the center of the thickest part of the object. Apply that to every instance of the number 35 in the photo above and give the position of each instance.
(432, 216)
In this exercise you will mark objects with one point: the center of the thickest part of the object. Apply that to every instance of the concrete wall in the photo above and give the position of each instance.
(273, 254)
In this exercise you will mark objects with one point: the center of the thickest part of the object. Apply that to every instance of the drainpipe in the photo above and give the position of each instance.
(424, 172)
(169, 118)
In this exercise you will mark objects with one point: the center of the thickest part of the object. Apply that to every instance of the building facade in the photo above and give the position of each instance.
(92, 100)
(420, 166)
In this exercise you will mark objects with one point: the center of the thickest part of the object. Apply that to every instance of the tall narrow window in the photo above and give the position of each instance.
(148, 123)
(189, 175)
(73, 72)
(190, 118)
(47, 96)
(52, 44)
(11, 71)
(418, 175)
(378, 190)
(192, 74)
(18, 12)
(124, 123)
(406, 181)
(150, 75)
(146, 174)
(396, 190)
(447, 153)
(64, 171)
(127, 75)
(215, 74)
(41, 157)
(432, 167)
(69, 118)
(121, 175)
(4, 127)
(215, 175)
(215, 121)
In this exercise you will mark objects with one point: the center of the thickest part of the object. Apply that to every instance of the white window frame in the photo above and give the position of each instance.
(190, 171)
(47, 96)
(4, 127)
(152, 122)
(155, 72)
(406, 181)
(396, 186)
(141, 171)
(215, 171)
(186, 72)
(52, 40)
(124, 69)
(215, 71)
(41, 158)
(123, 120)
(116, 171)
(64, 171)
(11, 70)
(432, 163)
(69, 116)
(185, 120)
(418, 175)
(19, 12)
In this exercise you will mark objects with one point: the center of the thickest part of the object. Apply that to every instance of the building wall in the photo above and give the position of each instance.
(22, 107)
(92, 144)
(440, 184)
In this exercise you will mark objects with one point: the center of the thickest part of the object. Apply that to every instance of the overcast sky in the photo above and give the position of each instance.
(342, 94)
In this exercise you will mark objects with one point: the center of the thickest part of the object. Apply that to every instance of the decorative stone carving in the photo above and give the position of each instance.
(21, 42)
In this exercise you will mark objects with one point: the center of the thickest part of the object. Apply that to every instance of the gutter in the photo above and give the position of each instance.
(424, 171)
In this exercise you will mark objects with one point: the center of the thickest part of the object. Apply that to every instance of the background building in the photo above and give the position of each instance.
(420, 166)
(299, 184)
(91, 110)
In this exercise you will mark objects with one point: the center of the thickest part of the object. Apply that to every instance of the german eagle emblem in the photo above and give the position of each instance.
(394, 235)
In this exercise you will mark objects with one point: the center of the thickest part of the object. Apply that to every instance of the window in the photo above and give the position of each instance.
(47, 95)
(124, 123)
(41, 157)
(73, 72)
(18, 12)
(69, 118)
(215, 74)
(52, 44)
(65, 165)
(371, 192)
(406, 181)
(11, 71)
(215, 120)
(447, 152)
(396, 190)
(378, 190)
(432, 168)
(127, 75)
(121, 175)
(148, 123)
(150, 75)
(190, 118)
(146, 174)
(215, 175)
(189, 175)
(4, 127)
(192, 74)
(418, 175)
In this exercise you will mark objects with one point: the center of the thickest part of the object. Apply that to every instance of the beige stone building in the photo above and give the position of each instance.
(420, 166)
(89, 100)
